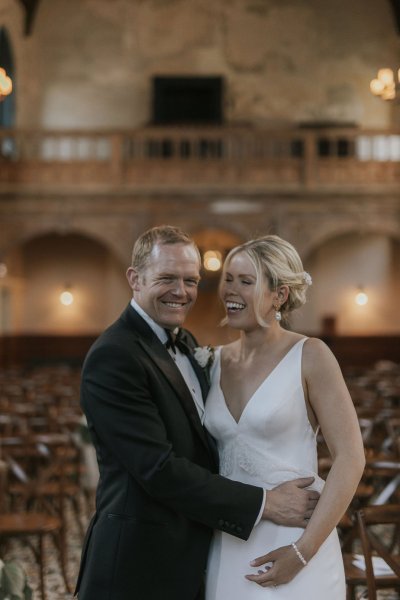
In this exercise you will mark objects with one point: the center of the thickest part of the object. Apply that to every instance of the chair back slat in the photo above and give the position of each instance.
(371, 516)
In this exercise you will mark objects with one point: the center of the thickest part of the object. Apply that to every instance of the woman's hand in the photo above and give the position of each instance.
(280, 566)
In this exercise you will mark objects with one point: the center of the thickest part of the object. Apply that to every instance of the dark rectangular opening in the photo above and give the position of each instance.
(179, 100)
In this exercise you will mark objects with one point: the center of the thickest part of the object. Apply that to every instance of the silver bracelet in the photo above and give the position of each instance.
(299, 554)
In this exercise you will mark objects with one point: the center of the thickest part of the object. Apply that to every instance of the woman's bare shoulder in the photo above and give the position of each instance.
(316, 354)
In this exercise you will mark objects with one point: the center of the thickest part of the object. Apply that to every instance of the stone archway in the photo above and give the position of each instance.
(43, 266)
(117, 234)
(331, 231)
(342, 265)
(310, 229)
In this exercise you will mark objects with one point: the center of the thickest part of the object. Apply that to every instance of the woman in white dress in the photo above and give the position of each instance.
(271, 391)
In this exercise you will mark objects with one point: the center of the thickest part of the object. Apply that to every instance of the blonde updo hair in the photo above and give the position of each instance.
(276, 263)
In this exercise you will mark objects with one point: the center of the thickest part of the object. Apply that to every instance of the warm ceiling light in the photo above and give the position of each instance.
(361, 297)
(386, 76)
(377, 86)
(66, 297)
(5, 84)
(384, 85)
(212, 260)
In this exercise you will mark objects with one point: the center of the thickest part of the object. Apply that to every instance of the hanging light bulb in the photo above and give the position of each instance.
(386, 76)
(384, 85)
(212, 260)
(361, 298)
(66, 297)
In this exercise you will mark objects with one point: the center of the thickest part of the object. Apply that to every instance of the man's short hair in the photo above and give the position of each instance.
(163, 234)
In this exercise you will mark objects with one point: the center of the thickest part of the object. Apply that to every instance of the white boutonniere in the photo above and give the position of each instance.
(204, 355)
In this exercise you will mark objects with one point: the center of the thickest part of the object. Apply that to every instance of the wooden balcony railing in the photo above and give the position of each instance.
(284, 159)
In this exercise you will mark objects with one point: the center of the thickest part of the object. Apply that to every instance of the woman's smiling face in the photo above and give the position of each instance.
(238, 293)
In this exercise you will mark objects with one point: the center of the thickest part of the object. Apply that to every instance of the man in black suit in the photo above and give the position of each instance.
(159, 495)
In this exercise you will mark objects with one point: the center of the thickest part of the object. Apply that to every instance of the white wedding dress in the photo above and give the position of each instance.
(273, 442)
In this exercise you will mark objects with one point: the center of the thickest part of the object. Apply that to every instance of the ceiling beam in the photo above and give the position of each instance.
(30, 8)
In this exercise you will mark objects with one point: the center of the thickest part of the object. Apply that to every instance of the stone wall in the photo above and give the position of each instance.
(89, 63)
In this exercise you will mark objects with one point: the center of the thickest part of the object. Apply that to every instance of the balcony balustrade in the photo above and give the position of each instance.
(291, 159)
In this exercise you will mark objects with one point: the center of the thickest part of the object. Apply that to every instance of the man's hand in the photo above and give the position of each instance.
(290, 504)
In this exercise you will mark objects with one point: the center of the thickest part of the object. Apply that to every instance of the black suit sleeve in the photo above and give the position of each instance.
(117, 402)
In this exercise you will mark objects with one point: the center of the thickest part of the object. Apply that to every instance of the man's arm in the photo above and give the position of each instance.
(119, 407)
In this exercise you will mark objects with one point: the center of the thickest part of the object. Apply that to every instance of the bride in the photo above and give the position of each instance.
(272, 390)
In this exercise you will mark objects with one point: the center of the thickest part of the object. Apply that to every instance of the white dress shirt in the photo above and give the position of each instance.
(181, 360)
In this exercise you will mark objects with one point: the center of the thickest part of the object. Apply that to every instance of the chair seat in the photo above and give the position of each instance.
(383, 467)
(357, 576)
(28, 524)
(50, 488)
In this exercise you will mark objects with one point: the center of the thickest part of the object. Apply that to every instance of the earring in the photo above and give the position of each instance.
(278, 314)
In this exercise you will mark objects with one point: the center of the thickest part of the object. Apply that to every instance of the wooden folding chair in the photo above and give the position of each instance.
(32, 524)
(384, 543)
(393, 428)
(54, 482)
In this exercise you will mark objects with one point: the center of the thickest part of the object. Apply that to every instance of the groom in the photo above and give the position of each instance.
(159, 495)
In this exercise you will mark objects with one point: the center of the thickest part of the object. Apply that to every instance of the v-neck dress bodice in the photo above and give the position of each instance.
(272, 442)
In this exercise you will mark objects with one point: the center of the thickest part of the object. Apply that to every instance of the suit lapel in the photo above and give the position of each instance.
(160, 356)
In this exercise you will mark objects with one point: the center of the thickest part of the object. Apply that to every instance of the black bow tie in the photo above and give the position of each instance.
(175, 341)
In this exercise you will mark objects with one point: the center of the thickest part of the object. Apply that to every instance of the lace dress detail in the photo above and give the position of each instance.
(272, 442)
(271, 472)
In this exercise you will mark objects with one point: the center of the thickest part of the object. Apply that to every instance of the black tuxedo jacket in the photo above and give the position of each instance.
(159, 496)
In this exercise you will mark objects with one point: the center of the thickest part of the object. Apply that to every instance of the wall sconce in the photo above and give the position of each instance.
(384, 85)
(66, 297)
(361, 298)
(5, 84)
(212, 260)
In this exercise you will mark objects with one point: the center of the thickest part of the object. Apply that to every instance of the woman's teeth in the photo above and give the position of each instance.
(235, 306)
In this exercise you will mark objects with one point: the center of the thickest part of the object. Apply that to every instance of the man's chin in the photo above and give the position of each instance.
(173, 324)
(170, 321)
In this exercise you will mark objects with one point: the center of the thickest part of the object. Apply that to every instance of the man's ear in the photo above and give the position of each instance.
(133, 279)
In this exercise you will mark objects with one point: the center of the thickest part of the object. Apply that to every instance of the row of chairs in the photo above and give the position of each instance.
(41, 466)
(371, 526)
(42, 471)
(42, 479)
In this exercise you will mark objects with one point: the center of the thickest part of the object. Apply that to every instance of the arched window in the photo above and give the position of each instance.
(7, 105)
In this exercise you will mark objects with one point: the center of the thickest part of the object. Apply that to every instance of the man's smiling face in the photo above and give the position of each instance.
(166, 288)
